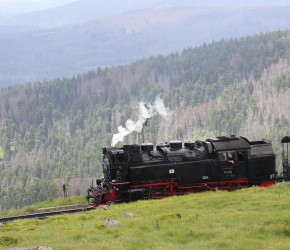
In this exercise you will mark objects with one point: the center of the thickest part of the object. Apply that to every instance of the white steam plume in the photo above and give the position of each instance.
(146, 111)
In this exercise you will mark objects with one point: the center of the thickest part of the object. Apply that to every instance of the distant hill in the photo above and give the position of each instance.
(29, 54)
(54, 13)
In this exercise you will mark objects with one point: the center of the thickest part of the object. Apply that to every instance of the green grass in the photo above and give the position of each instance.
(254, 218)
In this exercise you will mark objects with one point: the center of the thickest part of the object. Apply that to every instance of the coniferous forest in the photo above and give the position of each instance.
(51, 133)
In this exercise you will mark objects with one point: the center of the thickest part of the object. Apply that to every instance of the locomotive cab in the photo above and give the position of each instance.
(232, 156)
(233, 164)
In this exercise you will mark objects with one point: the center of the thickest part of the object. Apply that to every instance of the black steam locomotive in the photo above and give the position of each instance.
(135, 172)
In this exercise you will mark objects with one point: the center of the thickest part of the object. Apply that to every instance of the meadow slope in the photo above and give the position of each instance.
(253, 218)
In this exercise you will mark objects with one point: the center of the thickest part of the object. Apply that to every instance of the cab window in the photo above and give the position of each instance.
(228, 156)
(222, 156)
(242, 156)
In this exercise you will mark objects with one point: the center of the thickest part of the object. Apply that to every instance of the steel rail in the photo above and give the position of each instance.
(43, 215)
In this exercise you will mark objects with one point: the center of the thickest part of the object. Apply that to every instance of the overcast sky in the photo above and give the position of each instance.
(18, 6)
(36, 1)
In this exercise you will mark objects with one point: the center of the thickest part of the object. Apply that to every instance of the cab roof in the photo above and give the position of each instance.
(224, 143)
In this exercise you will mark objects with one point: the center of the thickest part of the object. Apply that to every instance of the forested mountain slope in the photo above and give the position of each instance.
(52, 132)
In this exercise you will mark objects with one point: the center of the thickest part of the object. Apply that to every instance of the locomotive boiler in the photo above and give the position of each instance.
(145, 171)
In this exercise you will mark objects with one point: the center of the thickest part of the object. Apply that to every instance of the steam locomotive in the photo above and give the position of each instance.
(135, 172)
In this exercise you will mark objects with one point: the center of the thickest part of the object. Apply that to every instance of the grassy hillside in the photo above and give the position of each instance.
(254, 218)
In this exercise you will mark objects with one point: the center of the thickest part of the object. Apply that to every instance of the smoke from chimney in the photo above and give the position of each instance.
(146, 111)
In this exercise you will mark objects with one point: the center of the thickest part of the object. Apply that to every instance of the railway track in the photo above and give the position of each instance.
(46, 212)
